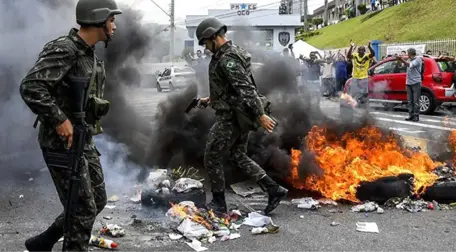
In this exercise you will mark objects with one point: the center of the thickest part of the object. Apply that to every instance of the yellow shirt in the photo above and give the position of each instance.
(361, 66)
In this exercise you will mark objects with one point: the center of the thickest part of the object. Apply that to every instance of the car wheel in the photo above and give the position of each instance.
(171, 87)
(159, 89)
(427, 103)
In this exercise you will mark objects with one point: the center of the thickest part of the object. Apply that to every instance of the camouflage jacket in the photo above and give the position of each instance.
(45, 87)
(231, 82)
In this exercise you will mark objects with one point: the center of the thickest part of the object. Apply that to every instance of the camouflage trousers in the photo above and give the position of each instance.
(90, 201)
(224, 137)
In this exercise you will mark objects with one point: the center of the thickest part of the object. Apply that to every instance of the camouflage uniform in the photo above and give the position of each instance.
(45, 91)
(230, 87)
(238, 106)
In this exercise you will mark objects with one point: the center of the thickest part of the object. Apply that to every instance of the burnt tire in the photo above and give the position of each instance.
(427, 103)
(443, 192)
(151, 198)
(159, 89)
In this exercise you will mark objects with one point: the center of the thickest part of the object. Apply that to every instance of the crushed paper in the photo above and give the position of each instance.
(246, 188)
(112, 230)
(113, 198)
(369, 227)
(174, 236)
(196, 245)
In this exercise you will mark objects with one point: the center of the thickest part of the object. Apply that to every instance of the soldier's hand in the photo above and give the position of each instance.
(267, 123)
(203, 102)
(65, 130)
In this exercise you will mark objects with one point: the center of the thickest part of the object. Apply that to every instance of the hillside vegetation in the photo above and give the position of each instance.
(416, 20)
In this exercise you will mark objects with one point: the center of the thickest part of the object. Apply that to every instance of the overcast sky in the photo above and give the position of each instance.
(196, 7)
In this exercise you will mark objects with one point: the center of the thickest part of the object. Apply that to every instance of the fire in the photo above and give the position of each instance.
(452, 143)
(365, 155)
(206, 218)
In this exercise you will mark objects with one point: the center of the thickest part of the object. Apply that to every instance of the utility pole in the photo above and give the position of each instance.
(172, 27)
(305, 16)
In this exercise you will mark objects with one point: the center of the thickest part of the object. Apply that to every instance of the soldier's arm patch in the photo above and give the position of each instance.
(230, 64)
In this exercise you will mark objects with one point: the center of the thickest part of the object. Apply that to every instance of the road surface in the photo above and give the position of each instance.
(29, 203)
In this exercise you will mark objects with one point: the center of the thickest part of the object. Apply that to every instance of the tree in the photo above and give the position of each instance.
(317, 21)
(362, 9)
(283, 8)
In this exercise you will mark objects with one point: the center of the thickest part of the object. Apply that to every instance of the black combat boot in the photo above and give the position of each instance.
(276, 193)
(46, 240)
(218, 203)
(410, 118)
(416, 118)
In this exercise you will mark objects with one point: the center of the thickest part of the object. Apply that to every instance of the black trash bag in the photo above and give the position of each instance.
(160, 200)
(385, 188)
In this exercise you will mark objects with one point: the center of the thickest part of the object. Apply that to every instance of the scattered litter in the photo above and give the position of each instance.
(192, 229)
(137, 197)
(255, 219)
(196, 245)
(327, 202)
(211, 239)
(184, 185)
(110, 206)
(30, 179)
(113, 198)
(112, 230)
(380, 210)
(306, 203)
(333, 224)
(366, 207)
(301, 216)
(174, 236)
(102, 243)
(369, 227)
(269, 229)
(156, 177)
(21, 196)
(246, 188)
(107, 217)
(413, 206)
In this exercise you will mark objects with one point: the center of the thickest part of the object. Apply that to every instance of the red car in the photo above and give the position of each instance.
(387, 83)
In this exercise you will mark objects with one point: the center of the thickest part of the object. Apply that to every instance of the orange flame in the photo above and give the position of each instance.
(365, 155)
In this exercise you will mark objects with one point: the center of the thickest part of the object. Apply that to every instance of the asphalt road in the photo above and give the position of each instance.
(28, 206)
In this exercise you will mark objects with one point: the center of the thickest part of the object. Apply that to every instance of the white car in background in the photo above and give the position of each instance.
(175, 77)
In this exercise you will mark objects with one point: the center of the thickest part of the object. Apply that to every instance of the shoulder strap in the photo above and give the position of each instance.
(92, 77)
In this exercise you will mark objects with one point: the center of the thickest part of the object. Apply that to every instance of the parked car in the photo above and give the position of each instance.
(175, 77)
(387, 83)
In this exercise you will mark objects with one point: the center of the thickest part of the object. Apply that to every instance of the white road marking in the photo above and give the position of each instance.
(407, 130)
(415, 124)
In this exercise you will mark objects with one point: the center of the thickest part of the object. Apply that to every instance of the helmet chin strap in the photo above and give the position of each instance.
(108, 36)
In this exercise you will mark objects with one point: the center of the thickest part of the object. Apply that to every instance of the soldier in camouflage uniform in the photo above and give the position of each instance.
(45, 90)
(235, 99)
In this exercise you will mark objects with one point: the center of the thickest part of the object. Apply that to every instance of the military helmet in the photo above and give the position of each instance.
(208, 28)
(95, 12)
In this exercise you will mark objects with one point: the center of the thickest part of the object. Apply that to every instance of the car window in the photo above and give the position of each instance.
(183, 70)
(166, 72)
(447, 66)
(385, 68)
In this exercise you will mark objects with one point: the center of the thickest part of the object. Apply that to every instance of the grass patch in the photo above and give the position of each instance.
(416, 20)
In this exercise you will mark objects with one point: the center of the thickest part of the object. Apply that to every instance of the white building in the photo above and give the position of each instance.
(253, 23)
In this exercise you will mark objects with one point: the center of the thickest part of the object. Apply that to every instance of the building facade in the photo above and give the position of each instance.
(252, 24)
(336, 9)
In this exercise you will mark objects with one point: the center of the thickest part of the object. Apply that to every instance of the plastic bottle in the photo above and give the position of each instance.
(102, 243)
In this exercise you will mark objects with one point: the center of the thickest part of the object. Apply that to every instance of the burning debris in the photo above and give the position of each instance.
(361, 156)
(204, 226)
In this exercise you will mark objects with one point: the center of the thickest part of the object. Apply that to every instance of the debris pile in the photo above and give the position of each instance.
(161, 188)
(200, 226)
